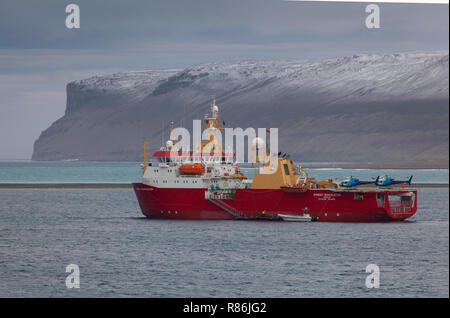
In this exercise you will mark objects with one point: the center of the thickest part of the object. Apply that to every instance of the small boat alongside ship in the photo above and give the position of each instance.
(295, 217)
(210, 186)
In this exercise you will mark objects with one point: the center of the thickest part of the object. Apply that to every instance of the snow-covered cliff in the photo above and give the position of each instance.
(369, 107)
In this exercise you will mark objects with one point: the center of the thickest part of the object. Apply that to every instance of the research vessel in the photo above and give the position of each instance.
(209, 185)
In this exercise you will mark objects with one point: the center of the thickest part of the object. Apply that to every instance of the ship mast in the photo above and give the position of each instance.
(144, 167)
(211, 145)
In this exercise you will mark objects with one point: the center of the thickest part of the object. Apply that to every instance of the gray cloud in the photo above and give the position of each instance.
(113, 24)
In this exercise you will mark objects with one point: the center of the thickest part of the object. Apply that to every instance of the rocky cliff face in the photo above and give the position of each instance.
(374, 107)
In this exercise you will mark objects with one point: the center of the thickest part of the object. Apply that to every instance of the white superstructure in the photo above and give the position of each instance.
(214, 169)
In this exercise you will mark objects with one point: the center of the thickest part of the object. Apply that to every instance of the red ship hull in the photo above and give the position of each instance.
(322, 204)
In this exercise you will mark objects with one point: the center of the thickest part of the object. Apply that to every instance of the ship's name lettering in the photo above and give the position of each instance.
(327, 196)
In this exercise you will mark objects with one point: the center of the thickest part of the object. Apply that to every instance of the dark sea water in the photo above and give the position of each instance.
(120, 253)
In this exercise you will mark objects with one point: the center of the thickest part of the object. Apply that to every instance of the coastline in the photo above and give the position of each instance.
(379, 165)
(128, 185)
(437, 164)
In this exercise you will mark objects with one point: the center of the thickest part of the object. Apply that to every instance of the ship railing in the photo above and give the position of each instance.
(401, 210)
(220, 194)
(399, 207)
(226, 207)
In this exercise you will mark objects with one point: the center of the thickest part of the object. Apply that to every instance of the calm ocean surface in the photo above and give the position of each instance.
(120, 253)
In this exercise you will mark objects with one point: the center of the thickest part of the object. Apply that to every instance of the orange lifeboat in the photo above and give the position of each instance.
(192, 169)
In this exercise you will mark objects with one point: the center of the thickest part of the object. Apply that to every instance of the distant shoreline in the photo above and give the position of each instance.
(438, 164)
(128, 185)
(441, 164)
(379, 165)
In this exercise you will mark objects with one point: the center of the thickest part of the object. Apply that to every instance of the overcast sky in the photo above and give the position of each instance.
(39, 55)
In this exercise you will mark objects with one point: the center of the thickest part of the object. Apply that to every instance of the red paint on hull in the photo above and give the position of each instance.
(326, 205)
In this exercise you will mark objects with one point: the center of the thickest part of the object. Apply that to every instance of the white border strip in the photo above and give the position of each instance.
(380, 1)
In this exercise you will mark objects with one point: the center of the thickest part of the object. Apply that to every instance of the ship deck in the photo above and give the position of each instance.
(371, 189)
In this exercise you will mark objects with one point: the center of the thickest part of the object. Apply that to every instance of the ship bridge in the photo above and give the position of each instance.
(165, 156)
